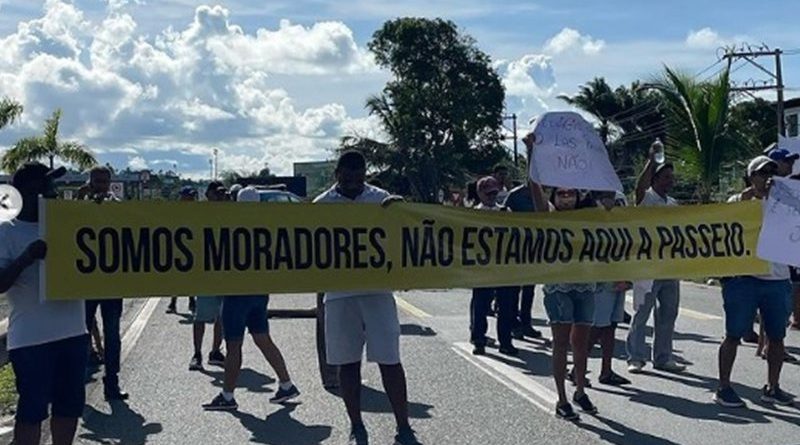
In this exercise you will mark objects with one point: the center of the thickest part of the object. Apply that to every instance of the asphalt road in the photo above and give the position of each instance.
(455, 397)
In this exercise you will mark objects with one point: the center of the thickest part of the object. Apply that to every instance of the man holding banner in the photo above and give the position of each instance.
(652, 190)
(743, 296)
(47, 341)
(356, 319)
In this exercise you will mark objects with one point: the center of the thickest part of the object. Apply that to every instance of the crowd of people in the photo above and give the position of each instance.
(49, 343)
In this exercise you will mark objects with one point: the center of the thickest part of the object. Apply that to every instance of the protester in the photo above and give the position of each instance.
(110, 308)
(507, 297)
(233, 193)
(652, 190)
(47, 340)
(570, 309)
(187, 193)
(519, 200)
(208, 309)
(784, 160)
(249, 312)
(353, 319)
(503, 178)
(743, 296)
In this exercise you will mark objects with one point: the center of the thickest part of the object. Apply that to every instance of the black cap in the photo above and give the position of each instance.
(35, 172)
(662, 167)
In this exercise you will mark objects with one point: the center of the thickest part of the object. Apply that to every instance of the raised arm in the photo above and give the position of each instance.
(645, 177)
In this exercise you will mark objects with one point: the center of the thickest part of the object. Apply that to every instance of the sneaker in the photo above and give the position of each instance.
(220, 404)
(192, 305)
(284, 395)
(405, 436)
(776, 396)
(635, 367)
(479, 350)
(670, 366)
(216, 358)
(358, 435)
(571, 378)
(614, 379)
(566, 412)
(517, 334)
(728, 398)
(586, 405)
(531, 332)
(171, 309)
(196, 363)
(509, 350)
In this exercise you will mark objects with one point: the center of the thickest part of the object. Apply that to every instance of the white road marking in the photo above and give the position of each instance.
(524, 386)
(134, 332)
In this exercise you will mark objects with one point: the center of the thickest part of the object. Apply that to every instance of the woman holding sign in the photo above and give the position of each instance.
(570, 309)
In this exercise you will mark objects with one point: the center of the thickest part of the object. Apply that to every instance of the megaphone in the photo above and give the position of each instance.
(10, 202)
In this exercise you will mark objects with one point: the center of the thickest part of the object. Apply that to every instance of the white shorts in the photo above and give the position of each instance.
(350, 322)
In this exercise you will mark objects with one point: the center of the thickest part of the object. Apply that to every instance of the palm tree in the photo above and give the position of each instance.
(47, 146)
(698, 117)
(598, 99)
(9, 111)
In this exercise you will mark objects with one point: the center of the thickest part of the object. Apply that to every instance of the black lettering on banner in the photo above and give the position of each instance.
(182, 236)
(323, 248)
(737, 239)
(136, 253)
(705, 232)
(410, 247)
(552, 246)
(162, 249)
(341, 248)
(716, 240)
(108, 242)
(566, 255)
(691, 235)
(376, 237)
(467, 246)
(604, 245)
(303, 248)
(446, 240)
(533, 246)
(428, 255)
(512, 247)
(629, 248)
(283, 250)
(90, 263)
(262, 245)
(359, 248)
(646, 248)
(679, 245)
(501, 234)
(242, 244)
(587, 252)
(217, 252)
(484, 258)
(665, 240)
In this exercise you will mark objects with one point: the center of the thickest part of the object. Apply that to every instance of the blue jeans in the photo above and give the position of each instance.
(665, 298)
(571, 307)
(507, 302)
(111, 311)
(743, 296)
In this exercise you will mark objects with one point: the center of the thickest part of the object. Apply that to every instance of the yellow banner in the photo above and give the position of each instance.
(136, 249)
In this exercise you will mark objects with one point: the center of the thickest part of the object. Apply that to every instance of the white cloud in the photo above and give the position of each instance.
(186, 90)
(705, 38)
(137, 163)
(569, 39)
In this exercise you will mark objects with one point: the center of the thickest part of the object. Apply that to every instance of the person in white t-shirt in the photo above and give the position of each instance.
(661, 296)
(356, 319)
(742, 296)
(47, 341)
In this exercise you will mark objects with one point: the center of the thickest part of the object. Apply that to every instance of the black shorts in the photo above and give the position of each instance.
(51, 374)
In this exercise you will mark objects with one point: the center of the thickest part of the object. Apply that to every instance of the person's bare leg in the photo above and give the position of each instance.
(561, 334)
(273, 356)
(217, 342)
(233, 365)
(775, 353)
(394, 382)
(27, 433)
(350, 385)
(63, 429)
(607, 345)
(198, 331)
(727, 356)
(580, 354)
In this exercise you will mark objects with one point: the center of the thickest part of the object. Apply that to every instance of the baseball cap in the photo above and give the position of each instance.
(758, 163)
(248, 194)
(664, 166)
(781, 154)
(35, 172)
(488, 184)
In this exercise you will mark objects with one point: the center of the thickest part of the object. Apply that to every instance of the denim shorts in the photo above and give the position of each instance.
(573, 307)
(743, 296)
(51, 374)
(244, 311)
(207, 309)
(609, 308)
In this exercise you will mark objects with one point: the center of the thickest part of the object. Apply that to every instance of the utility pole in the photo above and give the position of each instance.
(214, 171)
(513, 118)
(749, 54)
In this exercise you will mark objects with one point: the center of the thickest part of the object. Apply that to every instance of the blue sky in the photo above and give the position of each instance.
(160, 83)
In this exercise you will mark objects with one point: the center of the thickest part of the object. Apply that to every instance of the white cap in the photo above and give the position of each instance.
(758, 163)
(248, 194)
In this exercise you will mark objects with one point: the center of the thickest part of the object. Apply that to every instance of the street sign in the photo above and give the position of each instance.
(118, 189)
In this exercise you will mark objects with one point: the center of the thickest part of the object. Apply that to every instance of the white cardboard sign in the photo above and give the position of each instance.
(779, 241)
(569, 153)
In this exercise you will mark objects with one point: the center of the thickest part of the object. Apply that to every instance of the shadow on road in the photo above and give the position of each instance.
(621, 434)
(249, 379)
(123, 425)
(375, 401)
(415, 329)
(280, 428)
